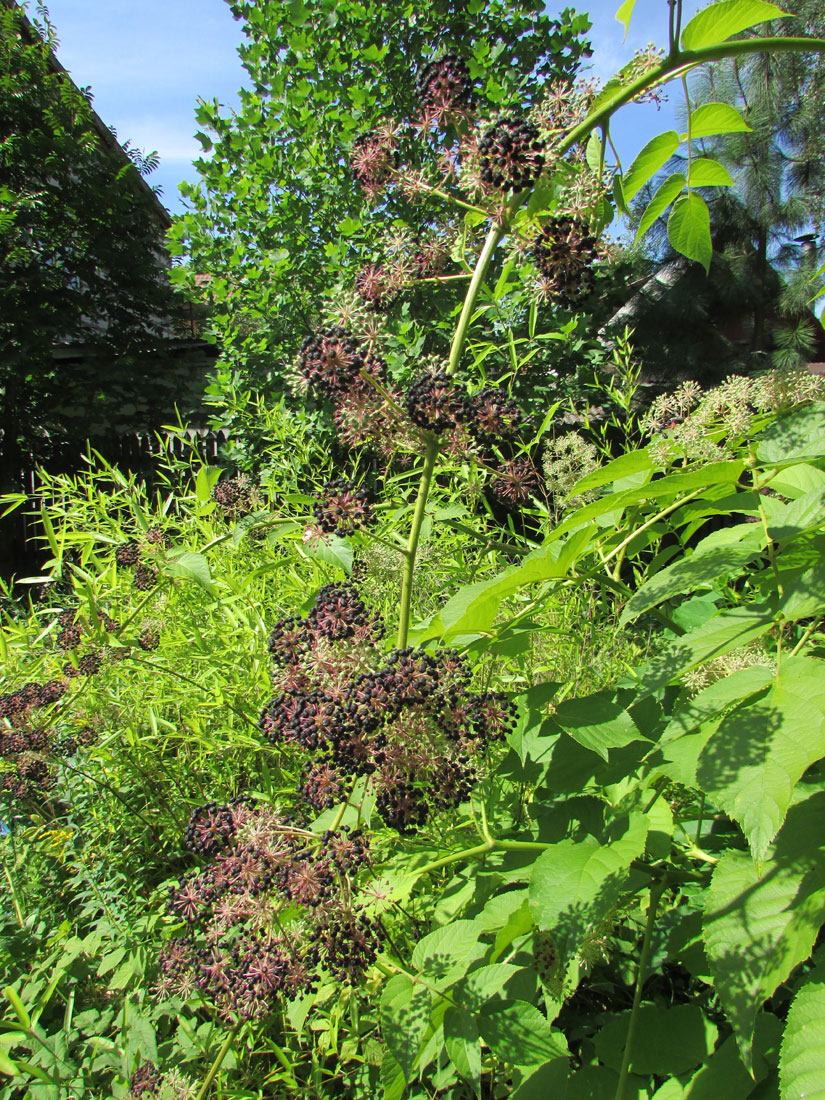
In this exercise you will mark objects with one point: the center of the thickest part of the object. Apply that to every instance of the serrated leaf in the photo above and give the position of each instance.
(463, 1045)
(405, 1017)
(667, 1041)
(750, 766)
(715, 698)
(800, 434)
(520, 1035)
(625, 13)
(719, 22)
(716, 118)
(657, 152)
(706, 172)
(802, 1057)
(598, 722)
(446, 954)
(762, 919)
(714, 557)
(192, 566)
(575, 883)
(334, 551)
(666, 193)
(688, 229)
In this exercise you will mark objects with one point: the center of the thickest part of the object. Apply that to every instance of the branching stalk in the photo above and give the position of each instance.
(216, 1065)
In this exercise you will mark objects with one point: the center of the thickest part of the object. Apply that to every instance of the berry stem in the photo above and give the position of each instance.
(216, 1065)
(430, 458)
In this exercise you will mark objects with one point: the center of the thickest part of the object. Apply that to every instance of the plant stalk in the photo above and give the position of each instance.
(656, 891)
(430, 457)
(216, 1065)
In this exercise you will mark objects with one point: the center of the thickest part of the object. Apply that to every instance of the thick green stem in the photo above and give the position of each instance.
(493, 238)
(656, 891)
(216, 1065)
(430, 457)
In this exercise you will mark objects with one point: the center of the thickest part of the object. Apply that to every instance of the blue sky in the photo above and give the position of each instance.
(147, 61)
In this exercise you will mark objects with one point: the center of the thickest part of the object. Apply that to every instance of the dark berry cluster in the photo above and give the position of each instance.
(31, 695)
(28, 777)
(145, 1081)
(146, 577)
(517, 481)
(342, 508)
(408, 720)
(495, 417)
(88, 665)
(331, 360)
(149, 639)
(511, 156)
(69, 635)
(128, 553)
(564, 253)
(374, 159)
(377, 286)
(435, 403)
(231, 952)
(444, 86)
(235, 496)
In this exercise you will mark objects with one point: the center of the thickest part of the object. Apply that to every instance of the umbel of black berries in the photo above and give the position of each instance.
(511, 155)
(330, 360)
(210, 828)
(564, 253)
(127, 553)
(375, 286)
(144, 1081)
(149, 639)
(145, 578)
(495, 417)
(339, 612)
(342, 508)
(435, 403)
(445, 84)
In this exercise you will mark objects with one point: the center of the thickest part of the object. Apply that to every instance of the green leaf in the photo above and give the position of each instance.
(7, 1066)
(193, 567)
(520, 1035)
(666, 193)
(762, 919)
(593, 152)
(624, 14)
(800, 434)
(656, 153)
(715, 698)
(667, 1042)
(392, 1078)
(446, 954)
(720, 554)
(688, 229)
(207, 478)
(463, 1045)
(627, 465)
(725, 631)
(598, 722)
(719, 22)
(12, 996)
(335, 551)
(575, 883)
(751, 765)
(802, 1058)
(716, 118)
(405, 1017)
(706, 172)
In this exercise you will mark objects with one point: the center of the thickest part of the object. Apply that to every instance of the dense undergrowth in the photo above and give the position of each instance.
(466, 754)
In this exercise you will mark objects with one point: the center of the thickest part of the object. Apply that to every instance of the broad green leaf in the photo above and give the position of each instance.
(392, 1078)
(719, 22)
(800, 434)
(520, 1035)
(656, 153)
(724, 632)
(627, 465)
(206, 480)
(482, 984)
(716, 118)
(192, 566)
(625, 13)
(715, 698)
(750, 767)
(802, 1058)
(463, 1045)
(796, 481)
(546, 1082)
(762, 919)
(688, 229)
(575, 883)
(593, 152)
(445, 954)
(598, 722)
(335, 551)
(405, 1017)
(714, 557)
(706, 172)
(666, 193)
(667, 1041)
